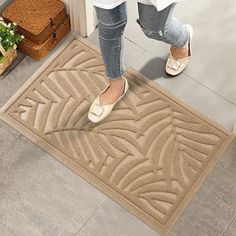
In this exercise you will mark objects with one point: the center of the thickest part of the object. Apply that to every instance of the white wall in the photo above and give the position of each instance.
(90, 17)
(82, 16)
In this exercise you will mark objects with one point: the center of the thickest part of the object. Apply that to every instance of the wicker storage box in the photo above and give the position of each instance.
(37, 51)
(36, 19)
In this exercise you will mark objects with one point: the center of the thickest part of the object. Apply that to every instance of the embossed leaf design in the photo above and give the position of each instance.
(150, 150)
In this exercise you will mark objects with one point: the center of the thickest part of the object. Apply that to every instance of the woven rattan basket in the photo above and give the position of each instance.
(36, 19)
(38, 51)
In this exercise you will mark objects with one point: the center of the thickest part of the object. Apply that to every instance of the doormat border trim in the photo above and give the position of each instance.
(89, 177)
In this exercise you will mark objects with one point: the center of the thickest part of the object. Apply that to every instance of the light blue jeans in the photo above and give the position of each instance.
(159, 25)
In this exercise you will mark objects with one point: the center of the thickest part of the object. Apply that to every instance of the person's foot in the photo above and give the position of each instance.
(180, 57)
(114, 91)
(179, 53)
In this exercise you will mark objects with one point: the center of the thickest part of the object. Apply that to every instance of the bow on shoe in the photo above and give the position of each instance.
(174, 63)
(97, 110)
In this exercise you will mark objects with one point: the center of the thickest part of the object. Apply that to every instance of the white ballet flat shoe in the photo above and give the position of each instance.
(175, 66)
(99, 112)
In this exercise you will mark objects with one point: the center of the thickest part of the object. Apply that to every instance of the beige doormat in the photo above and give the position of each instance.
(150, 155)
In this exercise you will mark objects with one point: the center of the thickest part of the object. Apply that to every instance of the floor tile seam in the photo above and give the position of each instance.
(233, 217)
(210, 89)
(91, 215)
(219, 196)
(203, 85)
(132, 64)
(126, 37)
(189, 222)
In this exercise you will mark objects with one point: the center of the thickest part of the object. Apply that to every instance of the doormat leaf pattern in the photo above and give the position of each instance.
(150, 155)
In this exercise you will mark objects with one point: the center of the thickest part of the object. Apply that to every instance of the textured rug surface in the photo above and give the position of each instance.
(150, 155)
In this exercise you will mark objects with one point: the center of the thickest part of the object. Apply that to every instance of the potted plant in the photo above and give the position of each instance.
(8, 43)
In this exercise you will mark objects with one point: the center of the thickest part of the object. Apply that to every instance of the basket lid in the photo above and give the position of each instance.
(33, 15)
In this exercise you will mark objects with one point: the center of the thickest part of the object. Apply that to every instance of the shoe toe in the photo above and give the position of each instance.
(176, 66)
(97, 112)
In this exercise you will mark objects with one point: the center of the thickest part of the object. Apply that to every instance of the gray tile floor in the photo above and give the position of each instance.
(41, 197)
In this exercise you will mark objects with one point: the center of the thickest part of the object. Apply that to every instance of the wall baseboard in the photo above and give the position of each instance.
(4, 4)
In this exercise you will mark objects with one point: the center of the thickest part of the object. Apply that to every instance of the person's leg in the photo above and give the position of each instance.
(162, 26)
(111, 26)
